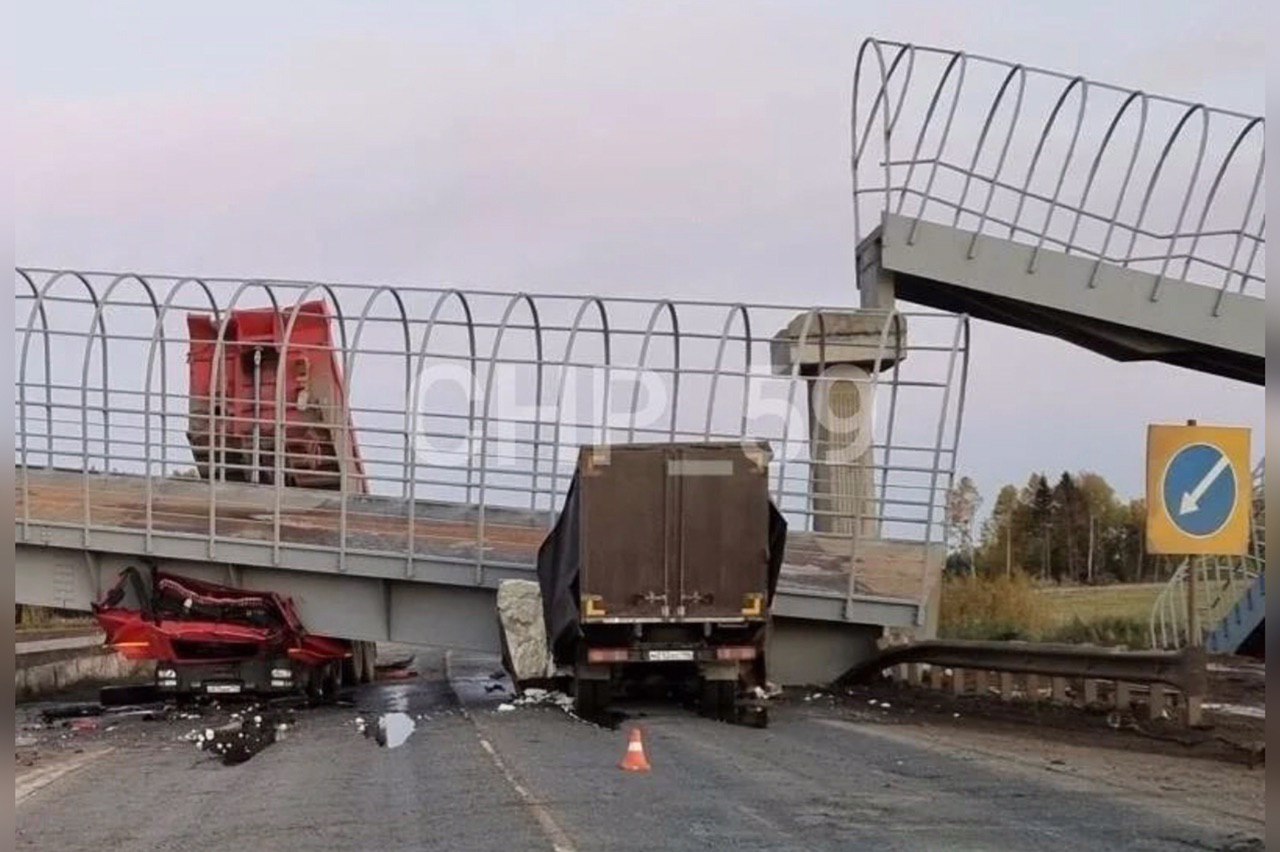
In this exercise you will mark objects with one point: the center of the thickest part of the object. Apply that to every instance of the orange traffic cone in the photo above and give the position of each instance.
(634, 760)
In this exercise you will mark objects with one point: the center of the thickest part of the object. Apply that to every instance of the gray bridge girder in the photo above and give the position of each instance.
(1101, 306)
(813, 637)
(348, 605)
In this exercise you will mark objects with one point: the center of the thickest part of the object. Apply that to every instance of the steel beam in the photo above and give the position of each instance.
(1102, 306)
(811, 641)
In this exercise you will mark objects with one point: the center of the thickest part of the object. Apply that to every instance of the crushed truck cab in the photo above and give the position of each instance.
(663, 564)
(209, 639)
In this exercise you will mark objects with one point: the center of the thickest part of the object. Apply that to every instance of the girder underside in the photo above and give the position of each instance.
(1122, 313)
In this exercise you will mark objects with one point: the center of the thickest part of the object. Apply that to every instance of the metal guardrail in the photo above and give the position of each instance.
(1221, 581)
(1184, 670)
(1059, 162)
(474, 398)
(62, 643)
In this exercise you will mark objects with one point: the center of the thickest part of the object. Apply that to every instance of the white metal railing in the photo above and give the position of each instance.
(475, 398)
(1220, 582)
(1055, 161)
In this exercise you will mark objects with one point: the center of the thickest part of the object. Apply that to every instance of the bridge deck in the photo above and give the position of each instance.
(376, 524)
(1119, 312)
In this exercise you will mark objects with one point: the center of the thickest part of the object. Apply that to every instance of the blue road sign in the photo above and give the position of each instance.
(1199, 489)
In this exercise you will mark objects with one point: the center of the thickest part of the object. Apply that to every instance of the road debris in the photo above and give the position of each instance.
(533, 697)
(769, 690)
(241, 739)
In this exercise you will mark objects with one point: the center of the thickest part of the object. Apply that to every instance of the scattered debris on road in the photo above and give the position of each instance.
(534, 697)
(245, 736)
(766, 692)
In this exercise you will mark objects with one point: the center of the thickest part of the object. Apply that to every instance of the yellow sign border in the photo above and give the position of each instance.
(1164, 441)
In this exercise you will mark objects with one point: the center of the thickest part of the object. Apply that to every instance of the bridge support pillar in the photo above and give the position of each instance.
(838, 352)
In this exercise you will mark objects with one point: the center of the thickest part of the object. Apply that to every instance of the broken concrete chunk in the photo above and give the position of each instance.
(520, 614)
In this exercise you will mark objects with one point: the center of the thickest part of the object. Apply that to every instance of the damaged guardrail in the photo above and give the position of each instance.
(1087, 675)
(44, 666)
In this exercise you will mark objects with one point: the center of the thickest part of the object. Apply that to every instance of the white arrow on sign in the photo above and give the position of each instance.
(1191, 500)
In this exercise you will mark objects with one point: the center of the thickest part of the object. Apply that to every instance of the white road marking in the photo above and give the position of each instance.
(25, 786)
(560, 841)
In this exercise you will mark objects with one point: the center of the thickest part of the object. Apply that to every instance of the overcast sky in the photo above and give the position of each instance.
(651, 148)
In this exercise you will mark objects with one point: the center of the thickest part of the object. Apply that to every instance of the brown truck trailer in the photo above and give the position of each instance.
(664, 562)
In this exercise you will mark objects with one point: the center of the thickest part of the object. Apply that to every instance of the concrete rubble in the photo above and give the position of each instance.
(523, 628)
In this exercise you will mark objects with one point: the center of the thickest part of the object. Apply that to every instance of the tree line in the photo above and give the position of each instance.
(1075, 530)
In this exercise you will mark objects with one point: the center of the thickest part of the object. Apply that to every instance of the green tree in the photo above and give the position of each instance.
(1041, 518)
(996, 551)
(1066, 515)
(1074, 531)
(963, 501)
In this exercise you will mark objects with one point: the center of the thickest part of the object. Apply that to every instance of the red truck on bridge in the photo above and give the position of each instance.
(274, 379)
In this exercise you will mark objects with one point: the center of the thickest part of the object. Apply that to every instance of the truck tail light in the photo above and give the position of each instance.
(607, 655)
(736, 652)
(753, 604)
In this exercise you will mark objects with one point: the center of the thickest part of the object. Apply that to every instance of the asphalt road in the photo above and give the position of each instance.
(470, 777)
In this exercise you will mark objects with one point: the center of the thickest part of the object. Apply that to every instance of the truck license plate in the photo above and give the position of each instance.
(222, 688)
(668, 656)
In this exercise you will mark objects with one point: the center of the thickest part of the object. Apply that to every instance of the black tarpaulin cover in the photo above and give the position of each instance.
(559, 560)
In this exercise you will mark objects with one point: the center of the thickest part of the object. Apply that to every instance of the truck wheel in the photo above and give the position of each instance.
(350, 666)
(337, 678)
(718, 697)
(590, 698)
(313, 686)
(324, 682)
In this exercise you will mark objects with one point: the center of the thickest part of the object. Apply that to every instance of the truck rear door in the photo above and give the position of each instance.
(624, 564)
(721, 530)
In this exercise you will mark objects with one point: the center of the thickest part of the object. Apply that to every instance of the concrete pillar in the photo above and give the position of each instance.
(1192, 713)
(981, 680)
(1124, 696)
(837, 352)
(1156, 701)
(842, 482)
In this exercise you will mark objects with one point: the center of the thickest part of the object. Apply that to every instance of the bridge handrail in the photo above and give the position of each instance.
(921, 113)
